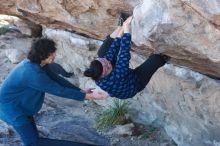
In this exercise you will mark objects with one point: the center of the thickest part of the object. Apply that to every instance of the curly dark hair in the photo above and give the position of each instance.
(41, 49)
(94, 71)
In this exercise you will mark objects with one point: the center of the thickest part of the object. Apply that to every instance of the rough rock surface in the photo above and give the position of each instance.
(182, 101)
(94, 18)
(185, 103)
(68, 119)
(188, 31)
(178, 29)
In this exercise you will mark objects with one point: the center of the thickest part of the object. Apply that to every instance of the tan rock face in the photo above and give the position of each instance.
(8, 7)
(208, 9)
(187, 30)
(95, 18)
(176, 28)
(184, 102)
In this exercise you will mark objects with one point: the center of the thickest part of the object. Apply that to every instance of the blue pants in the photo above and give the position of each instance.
(29, 136)
(29, 133)
(145, 71)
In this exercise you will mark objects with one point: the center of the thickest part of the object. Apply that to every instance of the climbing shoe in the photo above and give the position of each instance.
(123, 16)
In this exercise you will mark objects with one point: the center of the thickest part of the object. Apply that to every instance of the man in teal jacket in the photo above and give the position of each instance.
(22, 93)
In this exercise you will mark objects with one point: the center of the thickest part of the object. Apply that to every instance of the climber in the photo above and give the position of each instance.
(22, 93)
(111, 70)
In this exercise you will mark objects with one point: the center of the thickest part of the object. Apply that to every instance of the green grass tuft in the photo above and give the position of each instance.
(114, 115)
(4, 29)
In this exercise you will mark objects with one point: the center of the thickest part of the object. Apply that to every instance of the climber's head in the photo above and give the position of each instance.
(99, 68)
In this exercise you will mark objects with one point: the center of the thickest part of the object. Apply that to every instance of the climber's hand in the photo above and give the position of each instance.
(127, 25)
(96, 95)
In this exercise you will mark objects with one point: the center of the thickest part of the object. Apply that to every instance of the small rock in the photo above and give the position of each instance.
(122, 130)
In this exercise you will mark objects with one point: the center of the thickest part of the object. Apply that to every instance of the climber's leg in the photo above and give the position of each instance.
(146, 70)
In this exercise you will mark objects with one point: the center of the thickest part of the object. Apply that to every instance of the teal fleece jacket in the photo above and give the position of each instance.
(22, 93)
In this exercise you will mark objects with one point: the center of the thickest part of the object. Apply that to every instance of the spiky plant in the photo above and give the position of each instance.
(116, 114)
(4, 29)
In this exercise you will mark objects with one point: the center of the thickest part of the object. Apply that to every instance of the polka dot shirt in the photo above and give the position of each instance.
(122, 82)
